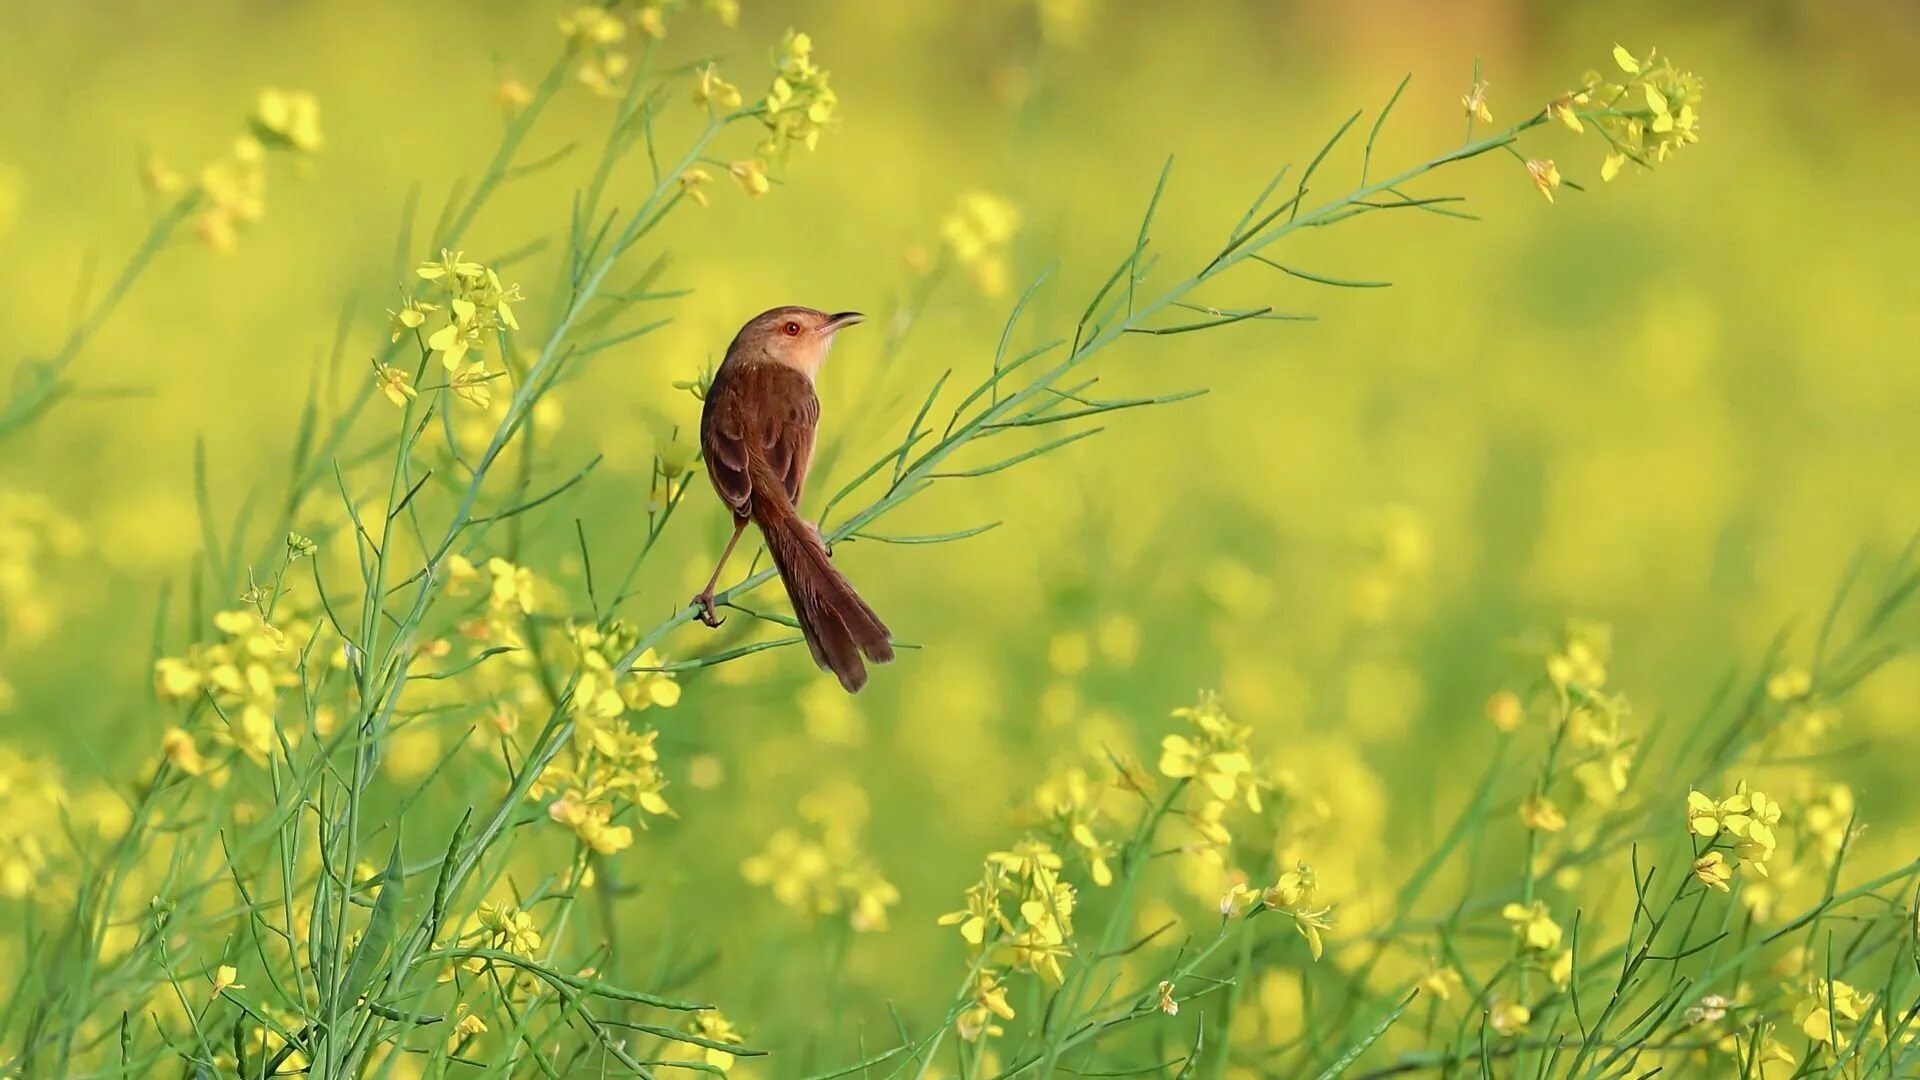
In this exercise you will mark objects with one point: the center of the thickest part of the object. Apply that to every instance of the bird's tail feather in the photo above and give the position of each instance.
(839, 626)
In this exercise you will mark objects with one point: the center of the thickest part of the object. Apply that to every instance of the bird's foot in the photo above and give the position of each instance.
(707, 614)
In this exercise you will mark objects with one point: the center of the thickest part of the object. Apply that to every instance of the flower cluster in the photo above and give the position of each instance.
(243, 673)
(979, 232)
(798, 108)
(1805, 719)
(233, 189)
(477, 308)
(1832, 1011)
(505, 927)
(710, 1025)
(1645, 117)
(1538, 935)
(33, 532)
(1216, 758)
(1068, 805)
(1297, 896)
(1743, 822)
(821, 870)
(598, 36)
(609, 766)
(1036, 939)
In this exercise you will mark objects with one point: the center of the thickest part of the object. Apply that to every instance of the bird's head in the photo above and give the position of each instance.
(797, 337)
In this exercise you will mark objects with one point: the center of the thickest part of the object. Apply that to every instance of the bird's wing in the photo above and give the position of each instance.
(788, 436)
(764, 411)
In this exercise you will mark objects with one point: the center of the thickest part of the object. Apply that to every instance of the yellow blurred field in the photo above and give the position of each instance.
(1489, 569)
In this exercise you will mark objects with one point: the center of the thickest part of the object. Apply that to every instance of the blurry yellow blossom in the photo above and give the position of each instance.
(1164, 999)
(512, 95)
(1582, 655)
(1441, 982)
(178, 747)
(693, 183)
(1509, 1018)
(751, 175)
(1831, 1012)
(710, 1025)
(1825, 817)
(1534, 925)
(1545, 175)
(989, 1003)
(288, 118)
(1789, 684)
(979, 233)
(473, 385)
(1539, 813)
(823, 872)
(1474, 101)
(1068, 804)
(709, 89)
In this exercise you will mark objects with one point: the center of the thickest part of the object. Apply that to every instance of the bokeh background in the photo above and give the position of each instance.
(1677, 403)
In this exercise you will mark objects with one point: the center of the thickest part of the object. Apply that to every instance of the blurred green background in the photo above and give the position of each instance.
(1677, 403)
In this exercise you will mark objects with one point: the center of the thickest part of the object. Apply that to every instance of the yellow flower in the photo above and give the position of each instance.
(1789, 684)
(1611, 165)
(693, 183)
(179, 749)
(593, 26)
(1831, 1010)
(397, 385)
(469, 1024)
(224, 978)
(710, 1025)
(1546, 176)
(751, 175)
(473, 385)
(1625, 59)
(512, 95)
(1713, 871)
(1165, 1002)
(1441, 981)
(1534, 924)
(1504, 711)
(289, 118)
(989, 1003)
(412, 314)
(1509, 1018)
(1475, 102)
(710, 89)
(1540, 814)
(1297, 894)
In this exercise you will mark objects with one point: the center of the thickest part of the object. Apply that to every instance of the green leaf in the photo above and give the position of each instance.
(372, 949)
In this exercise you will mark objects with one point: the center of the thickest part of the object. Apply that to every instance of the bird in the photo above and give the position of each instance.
(757, 430)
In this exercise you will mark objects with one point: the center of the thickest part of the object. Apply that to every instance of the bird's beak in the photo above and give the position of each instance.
(840, 320)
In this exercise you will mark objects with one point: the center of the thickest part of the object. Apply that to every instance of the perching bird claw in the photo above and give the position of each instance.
(707, 614)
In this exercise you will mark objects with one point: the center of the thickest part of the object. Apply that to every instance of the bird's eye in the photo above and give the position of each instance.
(792, 329)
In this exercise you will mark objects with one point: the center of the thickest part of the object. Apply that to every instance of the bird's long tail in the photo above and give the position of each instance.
(839, 626)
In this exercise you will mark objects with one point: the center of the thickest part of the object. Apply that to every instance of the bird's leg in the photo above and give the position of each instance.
(705, 599)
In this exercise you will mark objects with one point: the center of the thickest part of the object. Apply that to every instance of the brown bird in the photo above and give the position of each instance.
(756, 433)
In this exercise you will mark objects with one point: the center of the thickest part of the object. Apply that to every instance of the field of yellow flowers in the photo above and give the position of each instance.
(1396, 520)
